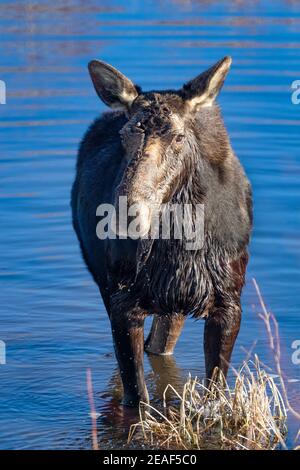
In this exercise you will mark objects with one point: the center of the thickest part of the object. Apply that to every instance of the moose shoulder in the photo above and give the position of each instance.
(157, 149)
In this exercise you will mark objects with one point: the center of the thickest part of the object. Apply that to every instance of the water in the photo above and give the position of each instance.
(52, 319)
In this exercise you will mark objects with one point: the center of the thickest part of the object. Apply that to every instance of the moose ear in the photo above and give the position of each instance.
(112, 86)
(202, 90)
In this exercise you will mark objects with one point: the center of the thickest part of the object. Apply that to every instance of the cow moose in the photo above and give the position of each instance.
(158, 148)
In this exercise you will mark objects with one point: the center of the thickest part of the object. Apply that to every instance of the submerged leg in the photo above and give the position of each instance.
(164, 333)
(128, 335)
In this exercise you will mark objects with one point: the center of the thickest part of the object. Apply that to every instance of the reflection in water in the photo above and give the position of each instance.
(116, 419)
(52, 319)
(164, 371)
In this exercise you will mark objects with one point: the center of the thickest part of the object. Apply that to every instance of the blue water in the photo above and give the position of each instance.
(52, 319)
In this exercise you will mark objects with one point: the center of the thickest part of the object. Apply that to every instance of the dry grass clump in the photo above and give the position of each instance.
(251, 415)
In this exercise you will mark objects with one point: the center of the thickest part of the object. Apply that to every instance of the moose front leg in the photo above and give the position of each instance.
(128, 335)
(220, 332)
(164, 333)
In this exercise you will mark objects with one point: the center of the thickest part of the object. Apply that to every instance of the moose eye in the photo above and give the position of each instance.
(139, 127)
(179, 138)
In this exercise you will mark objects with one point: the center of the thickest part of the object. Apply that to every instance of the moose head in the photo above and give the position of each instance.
(161, 132)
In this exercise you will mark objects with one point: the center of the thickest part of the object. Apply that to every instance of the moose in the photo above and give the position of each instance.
(157, 148)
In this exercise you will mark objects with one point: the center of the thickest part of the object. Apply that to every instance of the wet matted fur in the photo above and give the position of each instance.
(163, 148)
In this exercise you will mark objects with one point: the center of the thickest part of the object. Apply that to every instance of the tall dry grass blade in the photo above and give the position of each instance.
(93, 414)
(272, 328)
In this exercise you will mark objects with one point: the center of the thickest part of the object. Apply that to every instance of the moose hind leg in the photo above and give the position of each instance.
(164, 333)
(220, 332)
(128, 336)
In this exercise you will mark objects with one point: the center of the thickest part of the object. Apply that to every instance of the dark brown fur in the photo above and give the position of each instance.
(164, 147)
